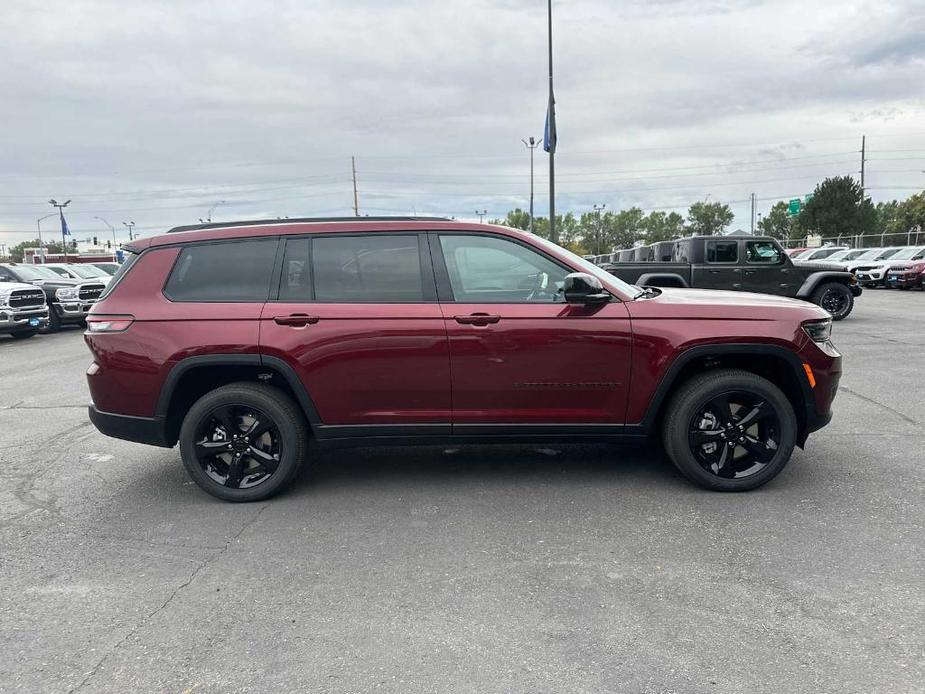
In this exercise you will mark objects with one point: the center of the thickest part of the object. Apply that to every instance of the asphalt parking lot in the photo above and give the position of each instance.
(582, 569)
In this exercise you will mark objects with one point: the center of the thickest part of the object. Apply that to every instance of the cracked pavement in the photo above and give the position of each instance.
(514, 569)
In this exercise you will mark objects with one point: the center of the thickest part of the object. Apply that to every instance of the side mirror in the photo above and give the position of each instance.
(582, 288)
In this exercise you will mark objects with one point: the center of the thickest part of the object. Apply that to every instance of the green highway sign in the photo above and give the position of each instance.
(794, 207)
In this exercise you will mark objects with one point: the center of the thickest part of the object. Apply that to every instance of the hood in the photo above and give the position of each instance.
(711, 303)
(7, 287)
(56, 284)
(821, 265)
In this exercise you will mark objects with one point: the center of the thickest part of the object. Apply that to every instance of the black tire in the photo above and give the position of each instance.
(835, 298)
(23, 334)
(283, 446)
(54, 322)
(687, 442)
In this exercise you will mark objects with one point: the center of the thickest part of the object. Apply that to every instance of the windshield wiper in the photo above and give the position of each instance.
(647, 292)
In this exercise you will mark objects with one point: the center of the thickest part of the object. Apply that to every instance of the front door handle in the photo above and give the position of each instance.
(296, 320)
(748, 273)
(477, 319)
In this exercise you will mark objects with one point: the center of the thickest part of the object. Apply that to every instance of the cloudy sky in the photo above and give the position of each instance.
(152, 112)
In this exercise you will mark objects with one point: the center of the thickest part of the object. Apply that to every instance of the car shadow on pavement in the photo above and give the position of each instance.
(581, 463)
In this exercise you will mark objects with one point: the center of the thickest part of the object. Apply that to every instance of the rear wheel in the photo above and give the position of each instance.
(22, 334)
(729, 430)
(244, 442)
(835, 298)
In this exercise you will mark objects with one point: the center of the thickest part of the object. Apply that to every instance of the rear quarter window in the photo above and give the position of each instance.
(235, 271)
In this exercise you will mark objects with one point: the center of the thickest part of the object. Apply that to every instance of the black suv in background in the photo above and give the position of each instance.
(69, 301)
(740, 263)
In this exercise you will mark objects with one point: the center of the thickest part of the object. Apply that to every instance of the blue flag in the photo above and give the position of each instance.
(64, 230)
(550, 136)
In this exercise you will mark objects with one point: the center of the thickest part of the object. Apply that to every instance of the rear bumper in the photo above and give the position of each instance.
(149, 430)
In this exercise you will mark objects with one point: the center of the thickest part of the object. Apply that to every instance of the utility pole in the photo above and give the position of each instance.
(531, 144)
(481, 215)
(64, 230)
(115, 244)
(356, 199)
(550, 143)
(129, 226)
(38, 223)
(863, 161)
(753, 214)
(598, 209)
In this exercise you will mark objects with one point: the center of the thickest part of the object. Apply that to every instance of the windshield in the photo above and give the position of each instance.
(86, 272)
(803, 255)
(590, 268)
(868, 255)
(29, 273)
(108, 268)
(888, 253)
(906, 254)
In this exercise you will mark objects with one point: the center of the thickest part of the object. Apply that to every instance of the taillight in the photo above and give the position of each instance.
(109, 324)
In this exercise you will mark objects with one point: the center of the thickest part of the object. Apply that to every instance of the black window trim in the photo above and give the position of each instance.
(428, 283)
(445, 288)
(212, 242)
(706, 252)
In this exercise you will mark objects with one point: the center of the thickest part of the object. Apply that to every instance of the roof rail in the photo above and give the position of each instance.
(255, 222)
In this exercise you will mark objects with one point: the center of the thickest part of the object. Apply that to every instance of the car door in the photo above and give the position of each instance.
(767, 269)
(721, 268)
(521, 359)
(356, 317)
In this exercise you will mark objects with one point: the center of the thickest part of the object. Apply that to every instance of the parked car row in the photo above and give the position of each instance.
(42, 298)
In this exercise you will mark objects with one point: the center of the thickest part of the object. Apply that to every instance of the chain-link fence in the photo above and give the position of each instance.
(909, 238)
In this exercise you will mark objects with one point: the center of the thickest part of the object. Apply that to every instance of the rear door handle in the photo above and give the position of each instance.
(296, 320)
(477, 319)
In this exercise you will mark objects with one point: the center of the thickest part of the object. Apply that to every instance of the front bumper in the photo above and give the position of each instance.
(908, 279)
(855, 290)
(12, 319)
(72, 311)
(871, 276)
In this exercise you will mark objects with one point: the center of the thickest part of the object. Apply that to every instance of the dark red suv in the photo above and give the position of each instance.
(248, 341)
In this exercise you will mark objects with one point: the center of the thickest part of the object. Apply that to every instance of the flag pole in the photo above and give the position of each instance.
(64, 229)
(551, 138)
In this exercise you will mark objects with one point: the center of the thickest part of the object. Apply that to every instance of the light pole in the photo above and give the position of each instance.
(64, 229)
(38, 223)
(598, 209)
(481, 215)
(531, 144)
(550, 139)
(113, 230)
(129, 226)
(208, 219)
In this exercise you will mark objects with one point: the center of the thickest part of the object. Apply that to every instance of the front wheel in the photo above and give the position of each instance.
(835, 298)
(243, 442)
(729, 430)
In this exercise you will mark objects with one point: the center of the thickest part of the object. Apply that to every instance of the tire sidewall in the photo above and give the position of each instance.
(692, 398)
(292, 438)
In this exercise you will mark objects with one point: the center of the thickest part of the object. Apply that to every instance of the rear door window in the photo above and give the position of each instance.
(376, 268)
(722, 251)
(763, 252)
(234, 271)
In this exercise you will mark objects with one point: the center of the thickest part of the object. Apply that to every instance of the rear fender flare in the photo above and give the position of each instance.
(653, 278)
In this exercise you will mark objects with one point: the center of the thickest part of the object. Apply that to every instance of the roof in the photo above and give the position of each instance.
(261, 222)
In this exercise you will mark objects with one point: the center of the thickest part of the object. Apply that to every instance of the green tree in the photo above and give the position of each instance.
(886, 215)
(516, 219)
(777, 222)
(910, 215)
(660, 226)
(837, 208)
(708, 218)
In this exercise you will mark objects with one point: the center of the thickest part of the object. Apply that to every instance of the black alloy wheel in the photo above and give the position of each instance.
(244, 441)
(735, 434)
(729, 430)
(238, 446)
(835, 298)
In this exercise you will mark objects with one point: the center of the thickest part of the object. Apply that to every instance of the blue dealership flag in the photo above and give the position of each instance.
(64, 230)
(550, 136)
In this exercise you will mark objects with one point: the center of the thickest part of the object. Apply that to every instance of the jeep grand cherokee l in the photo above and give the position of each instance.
(246, 341)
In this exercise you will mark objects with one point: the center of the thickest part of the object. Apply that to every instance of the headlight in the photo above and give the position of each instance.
(818, 330)
(67, 293)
